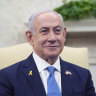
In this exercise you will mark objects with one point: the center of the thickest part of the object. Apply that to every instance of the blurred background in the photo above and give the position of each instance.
(80, 21)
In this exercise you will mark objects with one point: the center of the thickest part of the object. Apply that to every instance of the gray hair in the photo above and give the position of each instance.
(32, 18)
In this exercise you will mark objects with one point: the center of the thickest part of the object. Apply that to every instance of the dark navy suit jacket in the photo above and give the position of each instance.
(16, 80)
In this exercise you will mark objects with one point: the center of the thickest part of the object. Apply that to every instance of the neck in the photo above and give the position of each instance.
(51, 60)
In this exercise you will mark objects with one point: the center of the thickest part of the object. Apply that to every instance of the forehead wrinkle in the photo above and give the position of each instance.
(45, 15)
(42, 18)
(32, 18)
(53, 27)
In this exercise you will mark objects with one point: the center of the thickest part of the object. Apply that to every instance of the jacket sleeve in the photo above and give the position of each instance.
(90, 87)
(5, 85)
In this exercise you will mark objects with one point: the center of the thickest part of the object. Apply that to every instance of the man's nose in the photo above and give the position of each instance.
(52, 37)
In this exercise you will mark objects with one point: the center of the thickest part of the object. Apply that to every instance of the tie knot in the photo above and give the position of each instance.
(51, 70)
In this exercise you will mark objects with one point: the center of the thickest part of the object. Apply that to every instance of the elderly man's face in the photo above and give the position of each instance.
(48, 40)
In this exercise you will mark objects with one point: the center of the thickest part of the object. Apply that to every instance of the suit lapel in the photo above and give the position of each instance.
(31, 72)
(66, 79)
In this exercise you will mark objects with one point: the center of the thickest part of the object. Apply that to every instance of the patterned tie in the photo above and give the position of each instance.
(53, 89)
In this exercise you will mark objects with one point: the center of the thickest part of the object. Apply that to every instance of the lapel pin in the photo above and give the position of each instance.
(30, 72)
(68, 73)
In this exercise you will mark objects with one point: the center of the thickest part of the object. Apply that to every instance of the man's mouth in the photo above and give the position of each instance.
(52, 47)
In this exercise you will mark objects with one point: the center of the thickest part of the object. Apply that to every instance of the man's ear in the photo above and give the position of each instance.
(29, 37)
(64, 34)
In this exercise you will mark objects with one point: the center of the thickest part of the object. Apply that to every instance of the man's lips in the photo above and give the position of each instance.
(53, 46)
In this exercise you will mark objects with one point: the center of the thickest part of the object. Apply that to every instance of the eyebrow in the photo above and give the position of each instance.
(58, 26)
(44, 28)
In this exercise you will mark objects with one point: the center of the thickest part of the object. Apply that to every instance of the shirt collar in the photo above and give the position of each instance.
(42, 64)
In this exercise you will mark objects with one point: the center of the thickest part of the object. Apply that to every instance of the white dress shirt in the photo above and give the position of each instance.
(42, 65)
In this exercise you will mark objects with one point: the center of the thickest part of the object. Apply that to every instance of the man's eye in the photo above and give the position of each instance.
(57, 31)
(44, 32)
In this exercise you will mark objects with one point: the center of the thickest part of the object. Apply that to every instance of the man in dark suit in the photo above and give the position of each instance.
(32, 76)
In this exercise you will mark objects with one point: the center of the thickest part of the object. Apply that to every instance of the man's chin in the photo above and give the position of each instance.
(52, 55)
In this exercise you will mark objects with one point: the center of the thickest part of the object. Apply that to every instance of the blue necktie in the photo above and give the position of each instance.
(52, 86)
